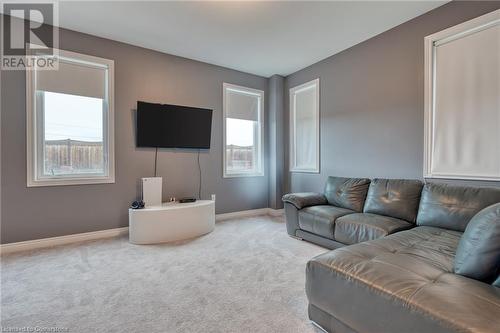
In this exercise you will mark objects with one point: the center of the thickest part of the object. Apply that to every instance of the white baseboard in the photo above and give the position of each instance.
(249, 213)
(241, 214)
(275, 212)
(61, 240)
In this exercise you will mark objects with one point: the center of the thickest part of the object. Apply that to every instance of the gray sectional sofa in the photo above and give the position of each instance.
(353, 210)
(426, 258)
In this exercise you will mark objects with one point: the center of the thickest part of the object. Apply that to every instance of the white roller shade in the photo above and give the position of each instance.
(466, 115)
(242, 105)
(305, 128)
(75, 79)
(304, 131)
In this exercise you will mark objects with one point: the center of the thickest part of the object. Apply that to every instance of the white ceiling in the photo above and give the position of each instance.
(263, 38)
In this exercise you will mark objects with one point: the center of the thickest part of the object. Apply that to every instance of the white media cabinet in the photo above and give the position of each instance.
(172, 221)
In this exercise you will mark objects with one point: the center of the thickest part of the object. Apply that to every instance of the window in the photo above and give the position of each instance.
(243, 131)
(70, 122)
(304, 127)
(462, 115)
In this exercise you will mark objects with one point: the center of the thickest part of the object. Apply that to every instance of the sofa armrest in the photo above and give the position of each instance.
(292, 219)
(305, 199)
(496, 283)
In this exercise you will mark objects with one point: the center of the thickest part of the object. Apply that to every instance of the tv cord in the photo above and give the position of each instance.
(199, 172)
(156, 158)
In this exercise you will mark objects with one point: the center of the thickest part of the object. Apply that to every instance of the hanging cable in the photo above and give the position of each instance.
(199, 172)
(156, 158)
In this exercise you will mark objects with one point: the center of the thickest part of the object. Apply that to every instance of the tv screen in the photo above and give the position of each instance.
(173, 126)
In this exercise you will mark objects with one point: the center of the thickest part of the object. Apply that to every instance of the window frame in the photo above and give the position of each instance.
(259, 171)
(34, 128)
(292, 149)
(456, 32)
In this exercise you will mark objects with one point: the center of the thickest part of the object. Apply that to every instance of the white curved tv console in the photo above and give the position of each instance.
(171, 222)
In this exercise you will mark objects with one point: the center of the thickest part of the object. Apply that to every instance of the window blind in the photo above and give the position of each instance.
(73, 78)
(241, 105)
(305, 129)
(466, 112)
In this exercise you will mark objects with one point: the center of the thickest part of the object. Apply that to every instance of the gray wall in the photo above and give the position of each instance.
(276, 120)
(372, 101)
(371, 126)
(140, 74)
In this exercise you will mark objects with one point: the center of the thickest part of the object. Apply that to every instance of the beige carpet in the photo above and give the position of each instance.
(246, 276)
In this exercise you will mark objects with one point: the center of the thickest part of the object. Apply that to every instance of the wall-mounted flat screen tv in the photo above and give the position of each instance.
(173, 126)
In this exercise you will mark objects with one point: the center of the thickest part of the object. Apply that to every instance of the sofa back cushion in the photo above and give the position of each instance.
(397, 198)
(478, 252)
(452, 207)
(347, 193)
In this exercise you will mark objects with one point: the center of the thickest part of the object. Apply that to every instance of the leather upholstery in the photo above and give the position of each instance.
(397, 198)
(452, 207)
(445, 206)
(360, 227)
(305, 199)
(478, 253)
(347, 193)
(321, 241)
(402, 283)
(292, 219)
(320, 220)
(326, 321)
(497, 282)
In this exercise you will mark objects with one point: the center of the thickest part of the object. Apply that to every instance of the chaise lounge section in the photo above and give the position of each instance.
(410, 281)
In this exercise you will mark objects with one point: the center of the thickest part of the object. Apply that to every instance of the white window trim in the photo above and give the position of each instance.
(447, 35)
(250, 91)
(293, 92)
(31, 128)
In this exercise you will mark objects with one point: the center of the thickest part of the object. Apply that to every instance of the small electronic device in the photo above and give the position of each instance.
(151, 191)
(137, 204)
(188, 199)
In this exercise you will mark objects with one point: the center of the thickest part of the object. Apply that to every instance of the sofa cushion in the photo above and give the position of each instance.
(496, 283)
(397, 198)
(320, 220)
(305, 199)
(402, 283)
(347, 193)
(452, 207)
(361, 227)
(478, 253)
